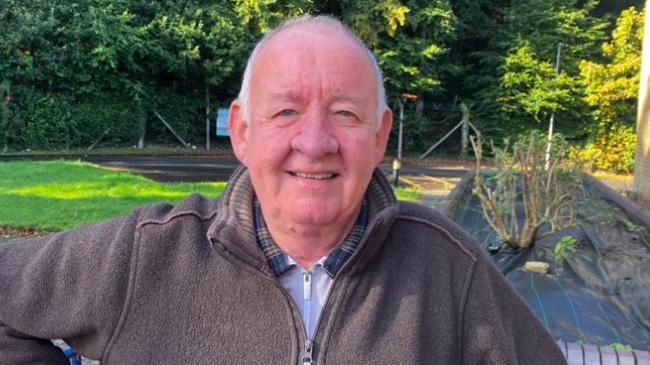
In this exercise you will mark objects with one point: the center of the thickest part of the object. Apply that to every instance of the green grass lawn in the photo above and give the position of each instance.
(60, 195)
(407, 194)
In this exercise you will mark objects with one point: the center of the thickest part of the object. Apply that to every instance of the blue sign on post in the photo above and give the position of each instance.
(222, 122)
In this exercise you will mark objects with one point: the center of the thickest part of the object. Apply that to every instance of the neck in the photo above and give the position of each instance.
(307, 244)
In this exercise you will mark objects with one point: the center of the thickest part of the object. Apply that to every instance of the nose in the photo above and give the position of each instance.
(314, 139)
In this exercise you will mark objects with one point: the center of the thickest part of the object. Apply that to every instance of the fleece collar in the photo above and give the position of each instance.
(233, 228)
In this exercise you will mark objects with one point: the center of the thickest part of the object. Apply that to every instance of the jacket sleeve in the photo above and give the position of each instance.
(70, 285)
(498, 326)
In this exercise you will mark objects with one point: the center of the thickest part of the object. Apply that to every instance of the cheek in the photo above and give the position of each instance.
(359, 150)
(267, 148)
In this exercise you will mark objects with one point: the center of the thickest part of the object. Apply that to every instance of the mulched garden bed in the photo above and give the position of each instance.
(599, 295)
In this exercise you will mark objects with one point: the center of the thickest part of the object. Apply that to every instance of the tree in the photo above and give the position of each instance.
(611, 90)
(509, 70)
(71, 69)
(16, 62)
(530, 86)
(410, 40)
(536, 28)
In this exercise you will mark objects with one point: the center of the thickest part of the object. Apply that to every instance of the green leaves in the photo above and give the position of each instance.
(508, 50)
(565, 246)
(612, 87)
(80, 55)
(611, 90)
(498, 56)
(530, 85)
(409, 39)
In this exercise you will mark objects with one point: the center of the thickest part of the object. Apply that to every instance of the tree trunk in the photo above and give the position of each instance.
(642, 161)
(4, 116)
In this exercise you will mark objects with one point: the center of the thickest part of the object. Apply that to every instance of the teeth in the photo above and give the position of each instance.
(313, 176)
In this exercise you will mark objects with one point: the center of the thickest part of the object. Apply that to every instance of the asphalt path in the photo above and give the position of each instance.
(171, 169)
(183, 169)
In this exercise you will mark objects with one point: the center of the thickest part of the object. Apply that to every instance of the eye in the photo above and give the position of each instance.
(287, 113)
(346, 114)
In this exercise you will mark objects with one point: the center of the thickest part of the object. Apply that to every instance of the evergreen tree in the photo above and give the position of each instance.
(511, 80)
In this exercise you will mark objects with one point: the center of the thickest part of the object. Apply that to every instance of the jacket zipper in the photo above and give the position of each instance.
(306, 310)
(309, 343)
(306, 297)
(307, 358)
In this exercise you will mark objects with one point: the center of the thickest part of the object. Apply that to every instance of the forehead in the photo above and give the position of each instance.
(307, 59)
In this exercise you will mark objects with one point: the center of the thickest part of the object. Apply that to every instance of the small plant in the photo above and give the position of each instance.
(563, 247)
(629, 225)
(533, 181)
(621, 346)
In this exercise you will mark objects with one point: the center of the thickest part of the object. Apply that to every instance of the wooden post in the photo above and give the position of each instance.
(464, 138)
(142, 120)
(442, 140)
(172, 130)
(207, 115)
(99, 139)
(397, 164)
(642, 161)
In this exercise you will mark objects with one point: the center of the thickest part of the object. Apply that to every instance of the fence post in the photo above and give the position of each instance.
(207, 116)
(464, 139)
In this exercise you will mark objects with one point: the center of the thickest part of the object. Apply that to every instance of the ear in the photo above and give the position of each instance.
(382, 135)
(238, 130)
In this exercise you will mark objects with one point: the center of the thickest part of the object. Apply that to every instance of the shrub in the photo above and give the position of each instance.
(545, 187)
(612, 150)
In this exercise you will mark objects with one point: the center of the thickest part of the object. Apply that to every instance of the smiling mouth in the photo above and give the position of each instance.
(314, 176)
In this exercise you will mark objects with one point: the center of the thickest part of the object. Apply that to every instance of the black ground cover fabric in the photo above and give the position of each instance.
(598, 295)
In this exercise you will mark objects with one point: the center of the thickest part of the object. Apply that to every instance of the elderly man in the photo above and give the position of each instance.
(306, 258)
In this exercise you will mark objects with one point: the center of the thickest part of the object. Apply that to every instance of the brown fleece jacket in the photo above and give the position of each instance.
(188, 284)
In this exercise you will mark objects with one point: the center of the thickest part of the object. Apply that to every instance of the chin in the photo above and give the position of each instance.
(315, 214)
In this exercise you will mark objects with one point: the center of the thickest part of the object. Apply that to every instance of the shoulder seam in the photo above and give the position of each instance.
(176, 215)
(449, 235)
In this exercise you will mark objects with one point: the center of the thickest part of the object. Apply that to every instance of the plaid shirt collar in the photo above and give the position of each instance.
(279, 261)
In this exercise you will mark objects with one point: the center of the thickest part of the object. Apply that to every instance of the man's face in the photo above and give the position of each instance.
(313, 138)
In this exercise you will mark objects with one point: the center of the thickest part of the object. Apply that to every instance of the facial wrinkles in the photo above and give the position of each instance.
(324, 73)
(311, 82)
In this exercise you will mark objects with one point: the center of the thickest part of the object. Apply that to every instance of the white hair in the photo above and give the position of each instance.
(244, 92)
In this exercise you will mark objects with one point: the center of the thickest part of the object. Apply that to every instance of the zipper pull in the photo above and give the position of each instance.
(307, 359)
(306, 285)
